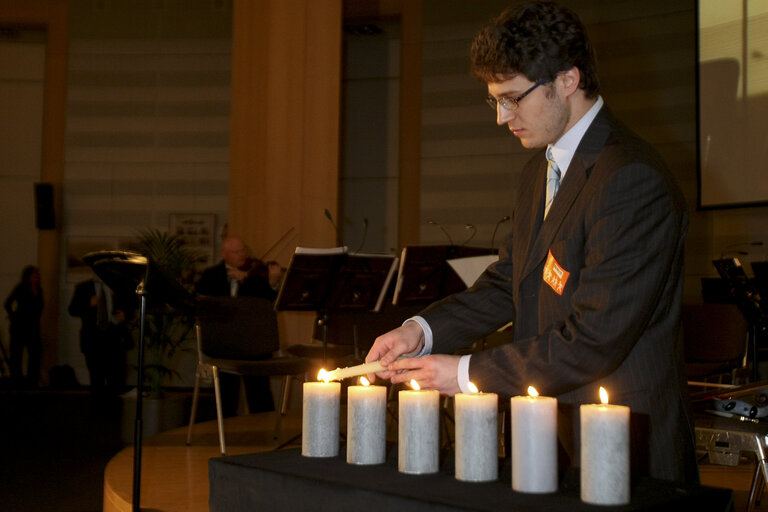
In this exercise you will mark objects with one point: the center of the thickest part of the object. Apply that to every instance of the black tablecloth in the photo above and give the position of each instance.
(284, 480)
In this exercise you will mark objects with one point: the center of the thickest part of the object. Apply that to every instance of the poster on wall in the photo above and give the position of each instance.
(198, 232)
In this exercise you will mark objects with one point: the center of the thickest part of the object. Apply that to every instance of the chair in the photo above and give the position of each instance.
(715, 338)
(239, 335)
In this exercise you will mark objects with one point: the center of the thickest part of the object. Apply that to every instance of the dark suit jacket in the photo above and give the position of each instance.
(90, 334)
(215, 283)
(617, 226)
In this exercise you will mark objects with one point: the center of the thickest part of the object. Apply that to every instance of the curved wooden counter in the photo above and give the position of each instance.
(174, 476)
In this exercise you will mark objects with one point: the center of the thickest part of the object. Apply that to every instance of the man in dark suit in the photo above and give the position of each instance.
(105, 336)
(237, 275)
(592, 281)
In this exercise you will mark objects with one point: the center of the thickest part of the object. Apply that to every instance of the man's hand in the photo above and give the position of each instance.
(406, 339)
(438, 372)
(275, 274)
(431, 372)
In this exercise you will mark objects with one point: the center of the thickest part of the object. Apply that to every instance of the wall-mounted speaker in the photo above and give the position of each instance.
(44, 213)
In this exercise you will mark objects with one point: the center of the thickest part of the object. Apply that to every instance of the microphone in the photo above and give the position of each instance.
(501, 221)
(365, 234)
(335, 227)
(471, 236)
(435, 223)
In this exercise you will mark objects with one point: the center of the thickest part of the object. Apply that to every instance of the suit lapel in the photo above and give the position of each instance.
(573, 184)
(528, 213)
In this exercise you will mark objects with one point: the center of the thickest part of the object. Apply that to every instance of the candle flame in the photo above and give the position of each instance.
(364, 381)
(323, 375)
(472, 388)
(603, 395)
(532, 391)
(415, 385)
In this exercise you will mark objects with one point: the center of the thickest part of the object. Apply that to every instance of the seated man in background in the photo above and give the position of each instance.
(237, 275)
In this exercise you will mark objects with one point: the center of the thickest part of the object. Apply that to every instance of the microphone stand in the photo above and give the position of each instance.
(138, 429)
(471, 236)
(365, 234)
(445, 231)
(129, 272)
(339, 241)
(493, 237)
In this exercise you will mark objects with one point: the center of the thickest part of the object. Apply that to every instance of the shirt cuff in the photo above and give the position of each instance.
(427, 349)
(463, 370)
(463, 373)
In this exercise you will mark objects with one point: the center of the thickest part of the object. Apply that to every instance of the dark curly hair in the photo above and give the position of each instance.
(538, 40)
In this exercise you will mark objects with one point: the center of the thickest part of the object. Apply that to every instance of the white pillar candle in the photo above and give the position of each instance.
(320, 419)
(477, 455)
(605, 453)
(366, 423)
(534, 443)
(418, 434)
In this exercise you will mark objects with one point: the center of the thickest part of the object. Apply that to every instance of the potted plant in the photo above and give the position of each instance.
(168, 330)
(168, 333)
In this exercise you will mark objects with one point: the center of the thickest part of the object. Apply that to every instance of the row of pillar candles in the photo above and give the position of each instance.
(604, 436)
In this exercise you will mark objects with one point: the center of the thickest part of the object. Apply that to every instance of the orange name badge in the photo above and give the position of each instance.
(555, 275)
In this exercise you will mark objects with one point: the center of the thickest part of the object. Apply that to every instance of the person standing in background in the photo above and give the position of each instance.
(104, 335)
(24, 306)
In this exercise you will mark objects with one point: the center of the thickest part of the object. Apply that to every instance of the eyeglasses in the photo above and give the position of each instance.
(511, 104)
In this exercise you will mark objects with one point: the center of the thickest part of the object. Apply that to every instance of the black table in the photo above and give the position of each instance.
(284, 480)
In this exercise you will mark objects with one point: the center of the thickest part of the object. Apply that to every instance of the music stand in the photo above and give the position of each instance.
(128, 273)
(748, 300)
(425, 275)
(326, 280)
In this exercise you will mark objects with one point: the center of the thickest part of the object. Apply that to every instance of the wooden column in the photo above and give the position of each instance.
(52, 16)
(284, 142)
(409, 199)
(286, 76)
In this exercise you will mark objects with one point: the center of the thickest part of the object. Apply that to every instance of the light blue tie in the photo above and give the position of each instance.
(553, 181)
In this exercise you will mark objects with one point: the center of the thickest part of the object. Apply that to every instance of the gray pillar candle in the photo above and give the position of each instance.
(477, 457)
(366, 424)
(418, 434)
(320, 419)
(534, 443)
(605, 453)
